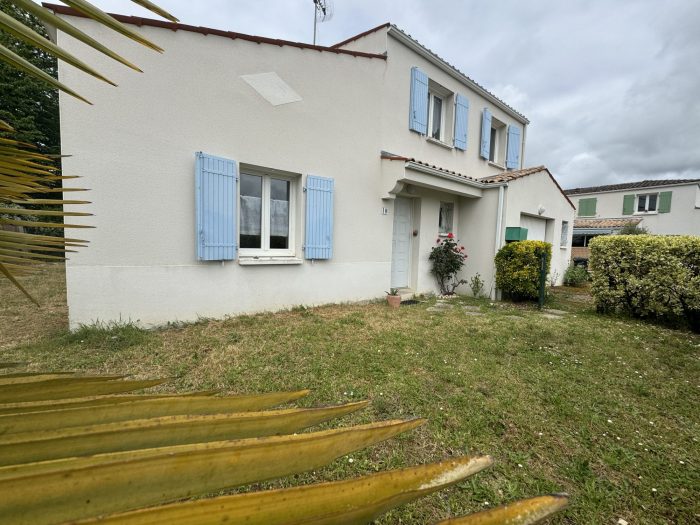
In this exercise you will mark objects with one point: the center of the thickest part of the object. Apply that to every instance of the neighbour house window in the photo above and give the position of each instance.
(564, 234)
(266, 214)
(647, 203)
(578, 241)
(446, 217)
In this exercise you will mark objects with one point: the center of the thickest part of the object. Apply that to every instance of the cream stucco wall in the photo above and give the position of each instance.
(683, 219)
(135, 150)
(528, 195)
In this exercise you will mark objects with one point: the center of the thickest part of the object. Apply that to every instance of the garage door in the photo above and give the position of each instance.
(536, 227)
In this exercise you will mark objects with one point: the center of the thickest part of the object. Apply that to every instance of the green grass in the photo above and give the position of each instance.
(600, 407)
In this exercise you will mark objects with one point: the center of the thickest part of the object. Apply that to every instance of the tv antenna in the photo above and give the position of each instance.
(323, 11)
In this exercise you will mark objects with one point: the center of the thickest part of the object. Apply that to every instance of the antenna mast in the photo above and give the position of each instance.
(323, 10)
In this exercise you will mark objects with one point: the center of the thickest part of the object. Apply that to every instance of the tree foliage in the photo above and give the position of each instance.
(29, 105)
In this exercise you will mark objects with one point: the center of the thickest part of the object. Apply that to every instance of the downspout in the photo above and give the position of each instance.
(499, 229)
(499, 217)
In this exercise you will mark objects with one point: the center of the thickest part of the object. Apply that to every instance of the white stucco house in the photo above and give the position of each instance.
(241, 174)
(662, 206)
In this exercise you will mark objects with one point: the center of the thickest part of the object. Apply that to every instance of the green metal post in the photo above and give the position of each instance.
(543, 279)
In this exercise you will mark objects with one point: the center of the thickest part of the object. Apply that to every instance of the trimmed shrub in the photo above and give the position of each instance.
(648, 276)
(575, 275)
(518, 268)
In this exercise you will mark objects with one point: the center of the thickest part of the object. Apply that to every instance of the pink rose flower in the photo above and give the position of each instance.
(450, 236)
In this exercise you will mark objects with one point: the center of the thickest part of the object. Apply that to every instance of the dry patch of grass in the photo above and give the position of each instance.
(600, 407)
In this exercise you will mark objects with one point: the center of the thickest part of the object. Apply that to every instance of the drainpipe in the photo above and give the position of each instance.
(499, 217)
(499, 228)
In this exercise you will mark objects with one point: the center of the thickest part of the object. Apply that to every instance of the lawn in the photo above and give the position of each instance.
(603, 408)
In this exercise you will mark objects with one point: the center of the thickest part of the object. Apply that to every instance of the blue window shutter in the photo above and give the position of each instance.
(485, 134)
(418, 114)
(513, 153)
(461, 118)
(318, 243)
(216, 198)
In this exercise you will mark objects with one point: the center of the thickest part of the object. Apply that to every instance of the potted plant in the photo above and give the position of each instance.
(393, 297)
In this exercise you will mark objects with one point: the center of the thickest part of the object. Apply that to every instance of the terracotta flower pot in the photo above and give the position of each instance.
(393, 300)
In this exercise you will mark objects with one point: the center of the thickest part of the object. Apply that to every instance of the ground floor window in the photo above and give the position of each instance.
(446, 217)
(266, 214)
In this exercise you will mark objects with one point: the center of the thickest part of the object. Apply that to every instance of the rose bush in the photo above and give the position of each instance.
(448, 258)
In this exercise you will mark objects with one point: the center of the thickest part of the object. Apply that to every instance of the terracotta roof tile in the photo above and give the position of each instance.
(631, 185)
(519, 174)
(605, 223)
(390, 156)
(139, 21)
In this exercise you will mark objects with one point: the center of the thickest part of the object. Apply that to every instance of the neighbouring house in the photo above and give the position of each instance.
(664, 207)
(242, 174)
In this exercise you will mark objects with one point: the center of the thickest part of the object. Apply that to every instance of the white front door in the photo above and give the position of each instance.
(401, 243)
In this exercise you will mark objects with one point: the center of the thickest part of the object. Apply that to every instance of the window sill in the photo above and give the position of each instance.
(645, 213)
(494, 165)
(438, 142)
(261, 261)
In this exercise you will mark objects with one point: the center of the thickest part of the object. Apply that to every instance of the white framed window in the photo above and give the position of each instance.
(647, 203)
(497, 152)
(564, 241)
(446, 218)
(436, 117)
(267, 213)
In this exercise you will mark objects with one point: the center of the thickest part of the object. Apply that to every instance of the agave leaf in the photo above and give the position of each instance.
(27, 447)
(92, 401)
(4, 126)
(131, 409)
(523, 512)
(70, 387)
(356, 501)
(155, 9)
(59, 23)
(24, 65)
(8, 364)
(6, 272)
(33, 377)
(22, 32)
(100, 16)
(96, 485)
(52, 213)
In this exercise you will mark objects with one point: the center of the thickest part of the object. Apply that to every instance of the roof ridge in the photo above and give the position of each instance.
(176, 26)
(438, 57)
(647, 183)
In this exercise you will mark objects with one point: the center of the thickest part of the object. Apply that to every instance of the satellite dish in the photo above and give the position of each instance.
(323, 11)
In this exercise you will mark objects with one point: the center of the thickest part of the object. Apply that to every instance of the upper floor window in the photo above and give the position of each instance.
(498, 142)
(647, 203)
(436, 116)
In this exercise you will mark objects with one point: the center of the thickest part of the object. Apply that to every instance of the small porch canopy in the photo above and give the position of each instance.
(401, 171)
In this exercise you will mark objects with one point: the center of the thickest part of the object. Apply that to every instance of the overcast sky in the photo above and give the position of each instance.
(611, 87)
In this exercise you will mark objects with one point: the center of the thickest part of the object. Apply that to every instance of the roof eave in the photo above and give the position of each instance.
(447, 68)
(576, 194)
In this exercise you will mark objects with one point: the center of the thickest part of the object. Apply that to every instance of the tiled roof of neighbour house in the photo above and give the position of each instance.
(139, 21)
(631, 185)
(508, 176)
(608, 224)
(401, 34)
(390, 156)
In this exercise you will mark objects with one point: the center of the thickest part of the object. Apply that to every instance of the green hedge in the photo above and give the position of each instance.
(647, 276)
(518, 268)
